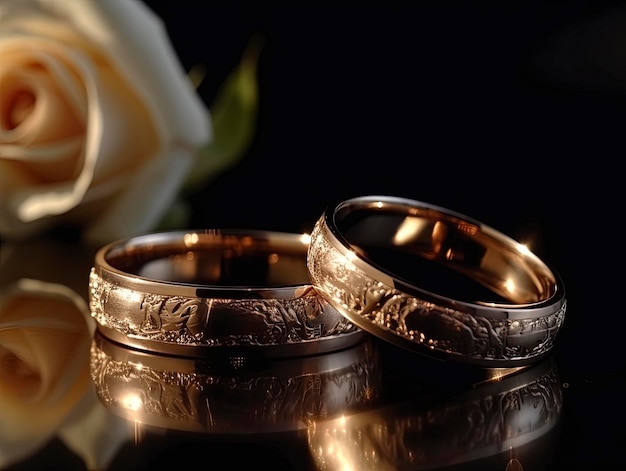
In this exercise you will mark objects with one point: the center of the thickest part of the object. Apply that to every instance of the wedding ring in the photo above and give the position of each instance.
(237, 395)
(509, 423)
(191, 293)
(436, 282)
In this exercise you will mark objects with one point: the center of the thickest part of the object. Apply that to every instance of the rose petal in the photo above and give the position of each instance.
(140, 206)
(41, 72)
(96, 434)
(47, 348)
(151, 67)
(58, 199)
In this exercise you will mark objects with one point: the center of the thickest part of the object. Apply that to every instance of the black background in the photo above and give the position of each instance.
(511, 112)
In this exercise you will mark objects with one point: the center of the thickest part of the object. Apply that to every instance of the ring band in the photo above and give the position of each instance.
(191, 292)
(237, 395)
(436, 282)
(511, 420)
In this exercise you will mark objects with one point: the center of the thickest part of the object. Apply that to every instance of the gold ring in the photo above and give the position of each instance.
(436, 282)
(236, 394)
(499, 424)
(192, 292)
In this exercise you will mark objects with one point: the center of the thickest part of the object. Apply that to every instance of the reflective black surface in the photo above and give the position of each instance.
(72, 396)
(510, 112)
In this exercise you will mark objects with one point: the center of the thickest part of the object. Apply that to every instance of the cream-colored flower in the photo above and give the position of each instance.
(45, 336)
(99, 123)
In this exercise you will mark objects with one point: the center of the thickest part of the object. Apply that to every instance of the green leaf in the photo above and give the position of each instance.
(234, 114)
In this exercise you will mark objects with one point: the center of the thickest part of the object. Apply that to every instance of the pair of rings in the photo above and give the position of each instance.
(416, 275)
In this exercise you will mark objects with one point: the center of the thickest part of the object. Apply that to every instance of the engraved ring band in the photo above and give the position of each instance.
(279, 395)
(436, 282)
(190, 293)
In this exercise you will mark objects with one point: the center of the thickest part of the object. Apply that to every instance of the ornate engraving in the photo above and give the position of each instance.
(494, 418)
(435, 327)
(192, 398)
(214, 322)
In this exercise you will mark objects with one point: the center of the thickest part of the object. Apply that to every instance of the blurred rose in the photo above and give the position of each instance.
(45, 336)
(98, 122)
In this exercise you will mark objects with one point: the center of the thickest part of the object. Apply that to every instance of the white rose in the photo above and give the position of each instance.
(98, 122)
(45, 336)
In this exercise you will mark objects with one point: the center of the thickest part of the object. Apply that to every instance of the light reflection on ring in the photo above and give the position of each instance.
(233, 393)
(503, 422)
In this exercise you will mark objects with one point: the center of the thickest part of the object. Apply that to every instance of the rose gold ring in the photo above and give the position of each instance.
(235, 394)
(191, 293)
(498, 424)
(436, 282)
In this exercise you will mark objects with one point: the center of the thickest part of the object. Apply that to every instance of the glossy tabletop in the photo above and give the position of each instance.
(72, 398)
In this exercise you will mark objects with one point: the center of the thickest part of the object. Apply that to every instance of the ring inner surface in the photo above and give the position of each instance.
(216, 260)
(445, 255)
